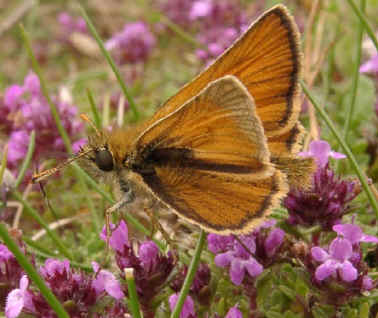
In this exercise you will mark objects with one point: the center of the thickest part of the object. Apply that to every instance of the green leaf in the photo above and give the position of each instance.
(288, 292)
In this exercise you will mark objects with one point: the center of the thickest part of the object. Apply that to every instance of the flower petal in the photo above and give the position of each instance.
(370, 66)
(148, 253)
(273, 241)
(234, 312)
(348, 272)
(351, 232)
(325, 270)
(319, 254)
(341, 249)
(367, 283)
(253, 267)
(14, 303)
(223, 259)
(188, 308)
(109, 283)
(237, 271)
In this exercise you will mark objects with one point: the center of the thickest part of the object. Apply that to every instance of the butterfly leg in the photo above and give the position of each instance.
(157, 224)
(128, 197)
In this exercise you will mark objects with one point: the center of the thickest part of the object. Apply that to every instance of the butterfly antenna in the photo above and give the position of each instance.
(91, 123)
(37, 177)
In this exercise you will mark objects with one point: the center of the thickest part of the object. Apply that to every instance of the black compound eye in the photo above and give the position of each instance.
(104, 160)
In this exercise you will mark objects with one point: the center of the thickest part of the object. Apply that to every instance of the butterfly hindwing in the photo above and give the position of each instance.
(211, 161)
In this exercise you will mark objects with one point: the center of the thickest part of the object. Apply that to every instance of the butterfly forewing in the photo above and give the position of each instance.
(266, 59)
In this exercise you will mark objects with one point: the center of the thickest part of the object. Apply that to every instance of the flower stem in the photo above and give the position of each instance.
(111, 63)
(356, 75)
(3, 162)
(363, 20)
(26, 162)
(133, 296)
(96, 115)
(345, 147)
(32, 273)
(35, 215)
(190, 276)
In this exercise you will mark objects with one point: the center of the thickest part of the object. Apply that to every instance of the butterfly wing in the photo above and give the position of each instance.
(210, 160)
(267, 60)
(220, 204)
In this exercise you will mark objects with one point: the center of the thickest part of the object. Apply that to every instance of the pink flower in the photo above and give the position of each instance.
(321, 151)
(354, 234)
(371, 66)
(118, 238)
(133, 44)
(106, 281)
(234, 312)
(336, 261)
(187, 310)
(18, 299)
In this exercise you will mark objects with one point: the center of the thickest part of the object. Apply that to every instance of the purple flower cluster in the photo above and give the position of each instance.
(133, 44)
(221, 23)
(77, 288)
(151, 268)
(327, 200)
(342, 262)
(10, 272)
(25, 109)
(218, 22)
(71, 25)
(178, 11)
(244, 257)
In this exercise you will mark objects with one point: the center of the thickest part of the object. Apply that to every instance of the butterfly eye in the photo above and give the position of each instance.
(104, 160)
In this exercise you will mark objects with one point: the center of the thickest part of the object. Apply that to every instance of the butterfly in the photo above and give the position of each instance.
(221, 153)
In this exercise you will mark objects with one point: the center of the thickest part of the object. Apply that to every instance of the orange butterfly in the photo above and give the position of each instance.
(221, 152)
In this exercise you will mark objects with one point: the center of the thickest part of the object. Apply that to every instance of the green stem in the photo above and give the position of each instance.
(356, 75)
(27, 160)
(96, 115)
(111, 63)
(363, 20)
(345, 147)
(32, 273)
(190, 276)
(3, 163)
(133, 296)
(35, 215)
(42, 252)
(180, 32)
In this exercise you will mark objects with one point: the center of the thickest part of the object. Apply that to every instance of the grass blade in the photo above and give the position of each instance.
(26, 163)
(365, 23)
(111, 63)
(34, 214)
(190, 276)
(3, 162)
(96, 115)
(356, 75)
(133, 296)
